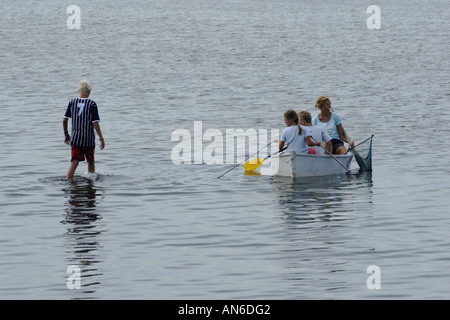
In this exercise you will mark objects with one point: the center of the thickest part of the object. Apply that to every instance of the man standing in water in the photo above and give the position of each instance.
(85, 119)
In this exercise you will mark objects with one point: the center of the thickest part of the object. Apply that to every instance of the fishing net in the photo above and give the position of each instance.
(363, 154)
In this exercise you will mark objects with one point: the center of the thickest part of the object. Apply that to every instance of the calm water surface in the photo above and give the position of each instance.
(144, 228)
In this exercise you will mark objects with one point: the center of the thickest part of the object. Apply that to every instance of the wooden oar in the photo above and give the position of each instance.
(254, 164)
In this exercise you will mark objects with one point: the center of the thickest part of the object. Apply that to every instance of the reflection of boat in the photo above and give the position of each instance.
(308, 165)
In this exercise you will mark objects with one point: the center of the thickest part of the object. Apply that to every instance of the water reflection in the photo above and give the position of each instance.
(83, 231)
(321, 218)
(323, 199)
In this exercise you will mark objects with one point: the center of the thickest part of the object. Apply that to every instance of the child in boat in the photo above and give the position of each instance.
(318, 135)
(295, 137)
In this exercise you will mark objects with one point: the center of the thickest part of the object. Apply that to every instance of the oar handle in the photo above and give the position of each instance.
(279, 151)
(361, 142)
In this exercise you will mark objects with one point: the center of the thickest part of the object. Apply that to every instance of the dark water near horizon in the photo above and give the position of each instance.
(145, 228)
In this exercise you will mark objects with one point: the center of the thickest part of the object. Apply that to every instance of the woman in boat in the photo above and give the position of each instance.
(295, 137)
(331, 122)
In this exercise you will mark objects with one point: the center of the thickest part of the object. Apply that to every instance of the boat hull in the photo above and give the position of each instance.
(308, 165)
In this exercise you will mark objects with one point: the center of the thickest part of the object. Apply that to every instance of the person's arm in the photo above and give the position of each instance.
(281, 142)
(66, 132)
(343, 135)
(310, 142)
(99, 133)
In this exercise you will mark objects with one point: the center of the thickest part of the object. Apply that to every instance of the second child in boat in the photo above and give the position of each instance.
(318, 135)
(295, 137)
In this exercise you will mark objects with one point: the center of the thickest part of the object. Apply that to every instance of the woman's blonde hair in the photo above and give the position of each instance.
(320, 102)
(84, 88)
(293, 116)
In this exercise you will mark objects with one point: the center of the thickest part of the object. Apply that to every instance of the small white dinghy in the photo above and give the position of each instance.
(299, 165)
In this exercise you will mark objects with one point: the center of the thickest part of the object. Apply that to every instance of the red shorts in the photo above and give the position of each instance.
(311, 151)
(79, 153)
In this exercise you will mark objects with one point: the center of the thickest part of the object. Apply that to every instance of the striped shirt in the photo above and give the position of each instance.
(83, 112)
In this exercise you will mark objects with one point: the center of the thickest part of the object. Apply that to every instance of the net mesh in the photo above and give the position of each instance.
(363, 154)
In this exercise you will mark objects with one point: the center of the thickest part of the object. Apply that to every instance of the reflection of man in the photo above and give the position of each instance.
(85, 119)
(83, 241)
(82, 200)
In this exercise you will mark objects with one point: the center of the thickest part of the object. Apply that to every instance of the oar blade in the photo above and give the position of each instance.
(253, 164)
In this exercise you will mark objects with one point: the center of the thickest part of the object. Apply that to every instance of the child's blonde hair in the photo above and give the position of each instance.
(305, 116)
(84, 88)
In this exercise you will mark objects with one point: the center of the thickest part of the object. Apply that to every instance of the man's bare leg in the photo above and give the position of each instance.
(91, 166)
(73, 166)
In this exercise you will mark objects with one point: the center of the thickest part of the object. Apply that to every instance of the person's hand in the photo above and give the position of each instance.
(67, 139)
(102, 144)
(352, 143)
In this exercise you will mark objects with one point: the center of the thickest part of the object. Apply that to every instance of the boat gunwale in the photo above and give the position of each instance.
(343, 156)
